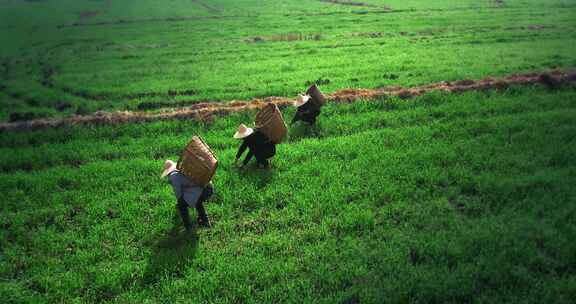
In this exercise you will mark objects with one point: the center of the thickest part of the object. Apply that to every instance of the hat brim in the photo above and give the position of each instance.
(168, 170)
(300, 102)
(239, 135)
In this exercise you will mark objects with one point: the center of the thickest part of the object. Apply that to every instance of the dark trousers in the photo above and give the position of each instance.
(268, 151)
(262, 161)
(182, 207)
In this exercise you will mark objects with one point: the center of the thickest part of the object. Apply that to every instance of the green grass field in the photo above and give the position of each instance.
(60, 57)
(443, 198)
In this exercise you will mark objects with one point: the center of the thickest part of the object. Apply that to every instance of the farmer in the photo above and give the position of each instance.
(188, 195)
(307, 111)
(258, 145)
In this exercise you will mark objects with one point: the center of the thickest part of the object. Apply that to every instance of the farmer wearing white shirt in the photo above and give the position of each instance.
(188, 194)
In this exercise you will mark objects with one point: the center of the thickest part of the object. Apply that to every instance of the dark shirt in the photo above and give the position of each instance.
(258, 145)
(307, 112)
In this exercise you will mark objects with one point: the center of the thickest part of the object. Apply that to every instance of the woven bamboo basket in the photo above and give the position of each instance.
(198, 162)
(270, 122)
(316, 95)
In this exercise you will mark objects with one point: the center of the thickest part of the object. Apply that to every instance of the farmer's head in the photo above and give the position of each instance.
(169, 166)
(243, 132)
(301, 100)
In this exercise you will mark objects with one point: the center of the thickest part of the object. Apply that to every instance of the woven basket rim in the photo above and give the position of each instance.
(195, 151)
(206, 146)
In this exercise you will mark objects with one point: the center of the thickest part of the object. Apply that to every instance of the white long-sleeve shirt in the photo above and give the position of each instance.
(185, 188)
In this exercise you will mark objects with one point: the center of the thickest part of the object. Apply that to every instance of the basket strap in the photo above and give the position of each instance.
(208, 148)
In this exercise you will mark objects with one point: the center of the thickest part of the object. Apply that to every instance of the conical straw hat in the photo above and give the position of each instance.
(301, 100)
(243, 132)
(169, 166)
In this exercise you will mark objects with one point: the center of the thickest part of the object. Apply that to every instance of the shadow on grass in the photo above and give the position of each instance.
(301, 130)
(171, 253)
(260, 177)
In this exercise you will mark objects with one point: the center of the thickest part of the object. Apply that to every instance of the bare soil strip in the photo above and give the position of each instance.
(208, 110)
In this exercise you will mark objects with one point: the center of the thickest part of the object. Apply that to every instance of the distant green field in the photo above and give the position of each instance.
(60, 57)
(444, 198)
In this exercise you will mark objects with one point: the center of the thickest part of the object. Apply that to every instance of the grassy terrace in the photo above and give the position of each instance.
(60, 57)
(443, 198)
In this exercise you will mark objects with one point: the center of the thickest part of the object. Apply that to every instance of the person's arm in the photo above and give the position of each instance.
(176, 184)
(241, 150)
(248, 157)
(295, 119)
(297, 116)
(315, 113)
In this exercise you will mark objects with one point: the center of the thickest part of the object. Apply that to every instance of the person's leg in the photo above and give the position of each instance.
(202, 216)
(262, 162)
(312, 120)
(182, 207)
(207, 192)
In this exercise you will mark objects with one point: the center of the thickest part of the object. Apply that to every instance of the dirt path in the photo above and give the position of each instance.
(207, 111)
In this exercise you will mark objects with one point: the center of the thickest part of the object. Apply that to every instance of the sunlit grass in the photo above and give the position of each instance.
(446, 198)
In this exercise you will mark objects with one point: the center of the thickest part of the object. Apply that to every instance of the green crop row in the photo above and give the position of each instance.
(118, 59)
(443, 198)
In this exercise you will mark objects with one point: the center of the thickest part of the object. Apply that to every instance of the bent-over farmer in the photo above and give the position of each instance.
(307, 111)
(258, 145)
(187, 195)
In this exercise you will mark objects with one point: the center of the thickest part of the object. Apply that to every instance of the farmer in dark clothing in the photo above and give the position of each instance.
(307, 110)
(187, 195)
(308, 105)
(258, 145)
